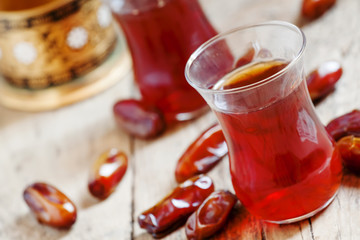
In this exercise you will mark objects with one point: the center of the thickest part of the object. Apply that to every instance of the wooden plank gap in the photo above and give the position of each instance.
(311, 229)
(133, 168)
(263, 235)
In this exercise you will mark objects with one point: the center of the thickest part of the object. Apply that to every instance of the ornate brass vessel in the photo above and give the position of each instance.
(49, 42)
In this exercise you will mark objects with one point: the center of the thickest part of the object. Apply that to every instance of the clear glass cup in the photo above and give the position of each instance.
(161, 35)
(283, 164)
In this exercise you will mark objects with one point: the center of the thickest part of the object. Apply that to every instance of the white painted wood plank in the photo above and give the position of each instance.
(59, 147)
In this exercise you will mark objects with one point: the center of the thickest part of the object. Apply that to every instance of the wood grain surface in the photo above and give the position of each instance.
(59, 146)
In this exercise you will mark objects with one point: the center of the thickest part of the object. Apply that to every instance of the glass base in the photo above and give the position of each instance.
(308, 215)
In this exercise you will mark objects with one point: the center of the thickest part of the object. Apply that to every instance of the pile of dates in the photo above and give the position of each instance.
(194, 202)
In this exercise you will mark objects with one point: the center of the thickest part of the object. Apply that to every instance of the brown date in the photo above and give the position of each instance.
(349, 148)
(172, 211)
(322, 81)
(211, 216)
(246, 58)
(202, 155)
(345, 125)
(139, 119)
(312, 9)
(50, 206)
(249, 56)
(107, 172)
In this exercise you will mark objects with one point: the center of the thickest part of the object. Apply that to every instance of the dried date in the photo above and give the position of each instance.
(50, 206)
(312, 9)
(107, 172)
(246, 58)
(211, 216)
(345, 125)
(349, 148)
(202, 155)
(172, 211)
(322, 80)
(251, 53)
(139, 119)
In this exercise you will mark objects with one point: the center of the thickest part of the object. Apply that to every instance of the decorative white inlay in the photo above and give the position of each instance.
(161, 3)
(104, 16)
(77, 37)
(116, 5)
(25, 52)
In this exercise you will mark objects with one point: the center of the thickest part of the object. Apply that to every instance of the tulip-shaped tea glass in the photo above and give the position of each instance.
(161, 35)
(283, 164)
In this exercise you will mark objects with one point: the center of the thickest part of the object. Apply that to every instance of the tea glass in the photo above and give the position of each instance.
(161, 35)
(284, 166)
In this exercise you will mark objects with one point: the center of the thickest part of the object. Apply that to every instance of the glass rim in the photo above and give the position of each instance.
(223, 35)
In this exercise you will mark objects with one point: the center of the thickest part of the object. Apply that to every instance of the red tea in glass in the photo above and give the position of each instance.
(283, 164)
(161, 35)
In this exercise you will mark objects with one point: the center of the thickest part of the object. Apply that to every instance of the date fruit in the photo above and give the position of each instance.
(210, 216)
(312, 9)
(322, 81)
(349, 148)
(139, 119)
(246, 58)
(50, 206)
(249, 56)
(172, 211)
(345, 125)
(107, 172)
(202, 155)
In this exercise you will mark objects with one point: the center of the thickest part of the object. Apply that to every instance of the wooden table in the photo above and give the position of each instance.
(59, 146)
